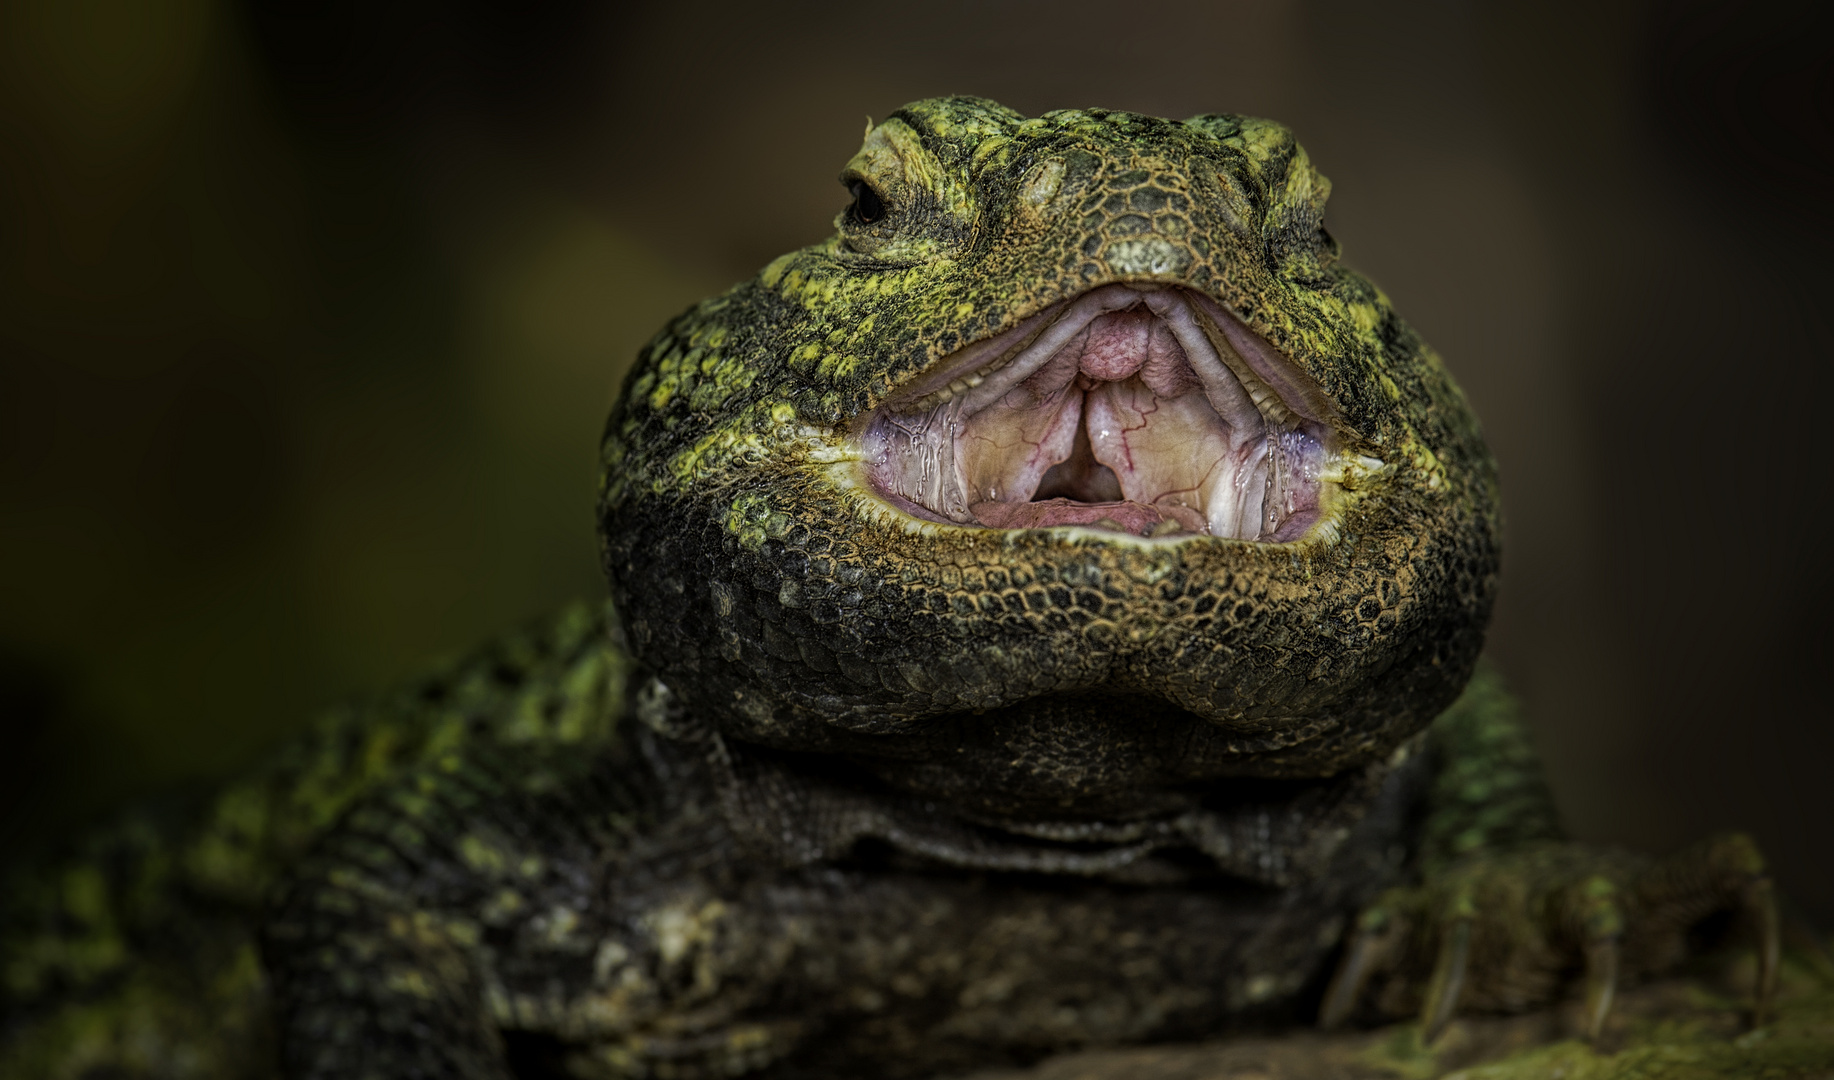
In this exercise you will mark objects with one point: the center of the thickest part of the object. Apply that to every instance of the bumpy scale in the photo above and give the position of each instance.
(1036, 604)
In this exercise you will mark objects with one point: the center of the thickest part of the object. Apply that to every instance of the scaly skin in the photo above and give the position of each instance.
(891, 796)
(136, 955)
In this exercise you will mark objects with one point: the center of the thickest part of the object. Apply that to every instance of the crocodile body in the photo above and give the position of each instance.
(857, 779)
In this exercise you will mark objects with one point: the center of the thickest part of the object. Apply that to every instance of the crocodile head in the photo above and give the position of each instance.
(1072, 477)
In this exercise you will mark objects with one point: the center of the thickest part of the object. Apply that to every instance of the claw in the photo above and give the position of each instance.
(1761, 901)
(1365, 954)
(1601, 984)
(1721, 872)
(1602, 926)
(1448, 979)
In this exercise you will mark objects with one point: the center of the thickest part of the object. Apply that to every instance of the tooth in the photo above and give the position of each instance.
(1267, 402)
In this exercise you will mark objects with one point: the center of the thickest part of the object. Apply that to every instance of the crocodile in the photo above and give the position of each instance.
(1045, 614)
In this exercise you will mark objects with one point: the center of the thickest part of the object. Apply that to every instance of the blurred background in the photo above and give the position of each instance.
(310, 314)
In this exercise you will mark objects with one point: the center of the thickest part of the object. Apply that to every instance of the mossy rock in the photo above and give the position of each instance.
(1696, 1027)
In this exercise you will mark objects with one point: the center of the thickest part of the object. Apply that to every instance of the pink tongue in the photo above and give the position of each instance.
(1137, 518)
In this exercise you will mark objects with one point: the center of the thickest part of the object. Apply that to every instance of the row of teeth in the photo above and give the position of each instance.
(1266, 401)
(968, 382)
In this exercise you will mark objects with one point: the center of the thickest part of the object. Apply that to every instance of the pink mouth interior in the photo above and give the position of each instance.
(1137, 410)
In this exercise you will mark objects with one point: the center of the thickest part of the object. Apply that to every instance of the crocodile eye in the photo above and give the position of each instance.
(868, 207)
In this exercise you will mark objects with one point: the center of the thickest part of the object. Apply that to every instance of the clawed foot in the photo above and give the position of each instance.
(1503, 933)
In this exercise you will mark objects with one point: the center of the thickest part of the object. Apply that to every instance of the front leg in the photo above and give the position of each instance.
(383, 951)
(1507, 912)
(378, 991)
(506, 912)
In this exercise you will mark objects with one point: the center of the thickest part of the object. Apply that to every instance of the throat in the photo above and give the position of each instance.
(1082, 488)
(1080, 478)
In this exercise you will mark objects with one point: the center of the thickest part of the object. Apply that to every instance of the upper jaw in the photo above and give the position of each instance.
(1131, 408)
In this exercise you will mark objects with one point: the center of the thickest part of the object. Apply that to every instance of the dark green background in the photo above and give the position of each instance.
(309, 314)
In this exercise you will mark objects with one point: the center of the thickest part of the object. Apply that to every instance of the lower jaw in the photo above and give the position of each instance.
(1128, 518)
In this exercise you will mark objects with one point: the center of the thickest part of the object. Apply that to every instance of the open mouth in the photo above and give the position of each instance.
(1132, 408)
